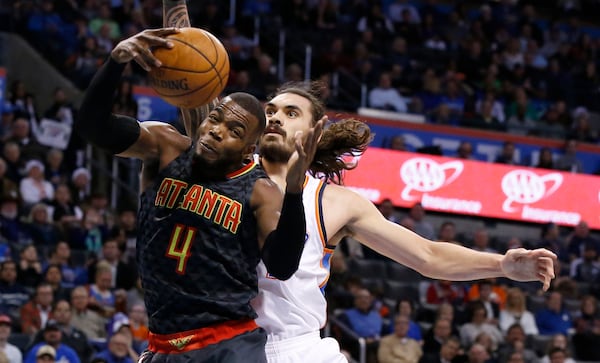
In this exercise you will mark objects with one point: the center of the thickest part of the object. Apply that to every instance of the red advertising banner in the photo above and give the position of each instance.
(477, 188)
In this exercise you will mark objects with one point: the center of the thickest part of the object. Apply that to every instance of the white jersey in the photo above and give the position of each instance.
(297, 306)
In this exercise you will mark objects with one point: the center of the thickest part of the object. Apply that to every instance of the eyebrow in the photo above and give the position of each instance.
(288, 107)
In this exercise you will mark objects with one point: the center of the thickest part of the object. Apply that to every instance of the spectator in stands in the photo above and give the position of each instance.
(12, 156)
(552, 241)
(138, 320)
(465, 151)
(398, 346)
(568, 161)
(550, 125)
(105, 17)
(262, 78)
(578, 238)
(71, 336)
(85, 319)
(519, 122)
(7, 117)
(52, 336)
(447, 232)
(587, 331)
(476, 324)
(405, 307)
(29, 146)
(41, 230)
(516, 312)
(123, 274)
(38, 310)
(12, 352)
(385, 97)
(498, 293)
(398, 143)
(90, 234)
(554, 318)
(12, 294)
(481, 241)
(45, 354)
(53, 277)
(546, 159)
(34, 188)
(11, 227)
(8, 188)
(490, 300)
(477, 353)
(80, 184)
(102, 297)
(86, 61)
(125, 233)
(507, 155)
(364, 320)
(65, 213)
(72, 275)
(422, 227)
(516, 342)
(29, 272)
(55, 172)
(117, 351)
(581, 129)
(448, 353)
(587, 268)
(120, 324)
(444, 291)
(48, 31)
(558, 342)
(386, 207)
(485, 118)
(99, 203)
(61, 109)
(454, 99)
(440, 331)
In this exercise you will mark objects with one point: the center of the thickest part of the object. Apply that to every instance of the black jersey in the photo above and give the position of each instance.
(197, 248)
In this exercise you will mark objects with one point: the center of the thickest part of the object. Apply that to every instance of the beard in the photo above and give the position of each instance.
(274, 150)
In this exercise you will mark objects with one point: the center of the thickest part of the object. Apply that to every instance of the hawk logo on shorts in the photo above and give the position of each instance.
(180, 343)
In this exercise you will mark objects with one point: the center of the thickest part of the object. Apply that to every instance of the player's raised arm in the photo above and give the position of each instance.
(175, 14)
(119, 134)
(283, 243)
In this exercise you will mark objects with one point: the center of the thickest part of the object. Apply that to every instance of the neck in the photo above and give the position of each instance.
(276, 171)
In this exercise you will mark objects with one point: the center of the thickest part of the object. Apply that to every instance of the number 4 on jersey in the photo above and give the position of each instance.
(179, 246)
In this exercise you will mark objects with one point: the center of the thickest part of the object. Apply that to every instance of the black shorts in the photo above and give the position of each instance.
(248, 347)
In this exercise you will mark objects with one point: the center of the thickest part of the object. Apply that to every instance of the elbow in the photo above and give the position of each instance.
(281, 273)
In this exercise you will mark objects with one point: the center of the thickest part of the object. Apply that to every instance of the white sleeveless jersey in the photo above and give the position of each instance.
(297, 306)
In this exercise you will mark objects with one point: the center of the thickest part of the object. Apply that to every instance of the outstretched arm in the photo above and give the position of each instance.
(438, 260)
(115, 133)
(175, 14)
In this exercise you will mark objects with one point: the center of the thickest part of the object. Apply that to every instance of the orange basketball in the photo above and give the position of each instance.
(193, 72)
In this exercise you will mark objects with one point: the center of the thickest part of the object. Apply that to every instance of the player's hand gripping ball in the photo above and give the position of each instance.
(193, 72)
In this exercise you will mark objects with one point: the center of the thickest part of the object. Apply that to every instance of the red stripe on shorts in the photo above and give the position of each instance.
(199, 338)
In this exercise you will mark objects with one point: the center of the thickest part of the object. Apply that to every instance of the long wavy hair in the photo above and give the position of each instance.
(342, 140)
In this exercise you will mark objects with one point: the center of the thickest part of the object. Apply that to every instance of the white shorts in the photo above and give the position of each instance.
(304, 348)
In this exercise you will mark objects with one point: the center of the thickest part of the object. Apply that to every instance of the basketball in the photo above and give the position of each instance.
(193, 72)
